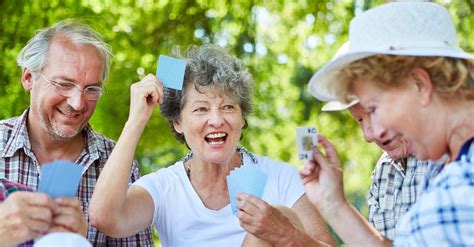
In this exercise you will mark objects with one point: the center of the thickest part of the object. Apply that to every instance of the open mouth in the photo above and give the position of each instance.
(386, 143)
(216, 138)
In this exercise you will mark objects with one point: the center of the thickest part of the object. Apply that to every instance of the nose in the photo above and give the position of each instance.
(368, 132)
(378, 131)
(216, 119)
(76, 100)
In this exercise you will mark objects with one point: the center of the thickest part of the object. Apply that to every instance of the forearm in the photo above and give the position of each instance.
(300, 238)
(107, 205)
(352, 227)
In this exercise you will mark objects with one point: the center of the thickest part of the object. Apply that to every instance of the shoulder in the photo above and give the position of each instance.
(166, 175)
(268, 163)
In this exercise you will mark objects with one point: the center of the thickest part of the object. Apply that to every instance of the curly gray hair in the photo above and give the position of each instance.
(209, 66)
(34, 55)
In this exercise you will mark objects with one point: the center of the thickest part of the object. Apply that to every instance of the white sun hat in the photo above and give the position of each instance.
(338, 106)
(397, 28)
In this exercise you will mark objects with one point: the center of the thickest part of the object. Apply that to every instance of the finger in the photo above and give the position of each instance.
(37, 226)
(69, 202)
(245, 204)
(308, 168)
(58, 229)
(35, 199)
(330, 150)
(39, 213)
(70, 217)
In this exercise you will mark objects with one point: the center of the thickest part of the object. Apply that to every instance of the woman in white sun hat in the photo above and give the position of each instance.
(404, 60)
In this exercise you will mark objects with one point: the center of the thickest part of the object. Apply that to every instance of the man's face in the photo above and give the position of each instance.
(395, 148)
(55, 115)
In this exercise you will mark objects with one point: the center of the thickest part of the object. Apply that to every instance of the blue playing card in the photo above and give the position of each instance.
(171, 71)
(247, 180)
(60, 178)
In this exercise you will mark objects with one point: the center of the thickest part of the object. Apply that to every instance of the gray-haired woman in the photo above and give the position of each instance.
(188, 202)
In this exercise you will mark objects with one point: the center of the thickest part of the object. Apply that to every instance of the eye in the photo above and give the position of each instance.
(64, 85)
(93, 90)
(229, 107)
(371, 110)
(200, 109)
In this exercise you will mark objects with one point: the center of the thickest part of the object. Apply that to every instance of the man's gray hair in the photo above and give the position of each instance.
(34, 55)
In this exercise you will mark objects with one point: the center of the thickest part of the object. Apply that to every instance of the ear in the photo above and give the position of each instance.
(27, 79)
(423, 83)
(177, 126)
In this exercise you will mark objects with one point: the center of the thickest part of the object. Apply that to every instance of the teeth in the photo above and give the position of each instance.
(216, 135)
(216, 143)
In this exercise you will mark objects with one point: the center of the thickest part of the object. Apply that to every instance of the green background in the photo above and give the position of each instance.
(282, 43)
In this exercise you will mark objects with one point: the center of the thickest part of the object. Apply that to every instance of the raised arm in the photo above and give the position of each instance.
(115, 209)
(322, 177)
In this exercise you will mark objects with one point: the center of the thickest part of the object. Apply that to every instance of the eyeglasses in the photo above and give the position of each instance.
(66, 88)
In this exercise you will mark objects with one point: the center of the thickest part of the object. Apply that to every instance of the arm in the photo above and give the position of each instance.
(277, 226)
(24, 216)
(322, 177)
(114, 208)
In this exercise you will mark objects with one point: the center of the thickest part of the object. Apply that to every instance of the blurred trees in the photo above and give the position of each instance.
(282, 43)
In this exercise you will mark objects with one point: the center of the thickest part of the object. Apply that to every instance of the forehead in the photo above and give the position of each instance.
(208, 93)
(66, 57)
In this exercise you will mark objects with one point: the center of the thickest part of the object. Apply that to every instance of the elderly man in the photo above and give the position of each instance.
(397, 178)
(64, 68)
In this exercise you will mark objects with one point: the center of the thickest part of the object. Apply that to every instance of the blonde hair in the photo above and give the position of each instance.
(451, 77)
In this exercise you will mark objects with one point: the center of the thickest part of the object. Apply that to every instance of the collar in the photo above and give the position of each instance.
(244, 155)
(19, 137)
(467, 149)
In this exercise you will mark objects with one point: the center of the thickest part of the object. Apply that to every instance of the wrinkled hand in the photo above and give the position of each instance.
(144, 96)
(322, 177)
(69, 217)
(261, 219)
(25, 216)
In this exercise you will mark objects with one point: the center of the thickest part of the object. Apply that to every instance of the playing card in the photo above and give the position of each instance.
(60, 178)
(247, 180)
(306, 139)
(171, 71)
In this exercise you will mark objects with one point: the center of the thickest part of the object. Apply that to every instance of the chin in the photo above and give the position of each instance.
(397, 154)
(65, 134)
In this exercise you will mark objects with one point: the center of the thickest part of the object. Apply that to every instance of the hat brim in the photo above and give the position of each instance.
(321, 80)
(338, 106)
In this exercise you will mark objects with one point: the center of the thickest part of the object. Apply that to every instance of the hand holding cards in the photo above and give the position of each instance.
(306, 139)
(247, 180)
(60, 178)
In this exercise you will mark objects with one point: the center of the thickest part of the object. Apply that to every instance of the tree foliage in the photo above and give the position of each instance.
(282, 43)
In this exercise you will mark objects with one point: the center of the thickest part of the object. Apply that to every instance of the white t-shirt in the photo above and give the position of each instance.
(182, 219)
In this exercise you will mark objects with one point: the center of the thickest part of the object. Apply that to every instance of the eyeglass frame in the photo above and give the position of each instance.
(74, 88)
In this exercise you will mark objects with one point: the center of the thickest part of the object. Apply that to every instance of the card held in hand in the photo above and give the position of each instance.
(306, 139)
(60, 178)
(171, 71)
(245, 179)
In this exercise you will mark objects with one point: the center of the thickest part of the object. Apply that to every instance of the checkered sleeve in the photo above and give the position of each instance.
(8, 187)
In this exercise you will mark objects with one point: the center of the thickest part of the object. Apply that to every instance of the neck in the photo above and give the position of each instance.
(460, 129)
(48, 148)
(205, 173)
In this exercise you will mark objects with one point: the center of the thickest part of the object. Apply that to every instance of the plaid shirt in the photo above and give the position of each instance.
(444, 213)
(393, 191)
(18, 163)
(7, 187)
